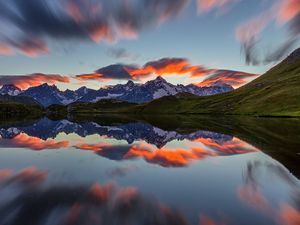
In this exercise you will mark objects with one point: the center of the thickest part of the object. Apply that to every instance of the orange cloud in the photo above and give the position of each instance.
(6, 50)
(168, 66)
(24, 141)
(31, 47)
(234, 78)
(207, 5)
(91, 76)
(161, 67)
(288, 9)
(26, 81)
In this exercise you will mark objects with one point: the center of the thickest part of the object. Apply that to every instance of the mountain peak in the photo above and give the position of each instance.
(130, 83)
(10, 89)
(160, 79)
(45, 85)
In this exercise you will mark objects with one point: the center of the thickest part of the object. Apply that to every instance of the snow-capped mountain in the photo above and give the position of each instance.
(10, 89)
(46, 95)
(154, 89)
(130, 92)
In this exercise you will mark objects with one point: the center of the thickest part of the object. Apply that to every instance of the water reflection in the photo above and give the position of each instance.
(154, 145)
(136, 172)
(24, 200)
(254, 192)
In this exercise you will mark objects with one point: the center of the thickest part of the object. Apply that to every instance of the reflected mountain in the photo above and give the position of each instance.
(278, 138)
(142, 140)
(130, 132)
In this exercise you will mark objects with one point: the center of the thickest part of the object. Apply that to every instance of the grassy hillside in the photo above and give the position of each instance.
(102, 106)
(276, 93)
(19, 107)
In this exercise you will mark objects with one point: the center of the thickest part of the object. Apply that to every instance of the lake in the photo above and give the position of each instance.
(150, 170)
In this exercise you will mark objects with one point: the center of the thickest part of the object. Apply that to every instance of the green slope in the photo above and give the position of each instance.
(17, 107)
(276, 93)
(102, 106)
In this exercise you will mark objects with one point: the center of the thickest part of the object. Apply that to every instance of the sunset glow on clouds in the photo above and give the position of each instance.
(69, 37)
(166, 67)
(169, 67)
(34, 22)
(26, 81)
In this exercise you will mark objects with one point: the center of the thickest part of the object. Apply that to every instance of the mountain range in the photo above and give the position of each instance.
(131, 92)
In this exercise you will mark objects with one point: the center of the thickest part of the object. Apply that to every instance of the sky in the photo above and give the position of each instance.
(72, 43)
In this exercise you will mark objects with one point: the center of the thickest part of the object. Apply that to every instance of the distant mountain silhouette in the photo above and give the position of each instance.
(130, 92)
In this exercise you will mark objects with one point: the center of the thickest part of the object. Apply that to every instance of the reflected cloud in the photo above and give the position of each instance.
(121, 171)
(289, 215)
(234, 146)
(168, 157)
(22, 140)
(26, 200)
(205, 220)
(252, 192)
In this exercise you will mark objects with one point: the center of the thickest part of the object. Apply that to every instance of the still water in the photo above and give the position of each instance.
(134, 172)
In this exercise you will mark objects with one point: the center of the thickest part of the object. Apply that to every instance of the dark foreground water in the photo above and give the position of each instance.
(167, 171)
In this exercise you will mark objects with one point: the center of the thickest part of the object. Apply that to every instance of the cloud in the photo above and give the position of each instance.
(234, 78)
(5, 50)
(282, 12)
(26, 81)
(38, 21)
(167, 67)
(161, 67)
(115, 71)
(207, 5)
(120, 53)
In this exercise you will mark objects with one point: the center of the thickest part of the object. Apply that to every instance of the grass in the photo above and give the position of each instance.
(19, 110)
